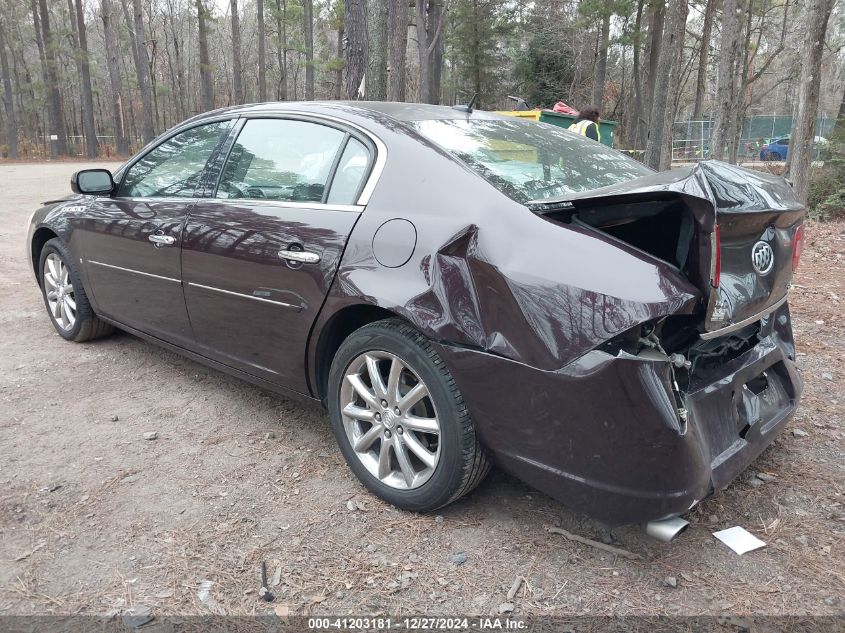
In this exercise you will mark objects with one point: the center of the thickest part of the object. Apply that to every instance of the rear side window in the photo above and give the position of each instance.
(174, 168)
(280, 159)
(351, 171)
(531, 161)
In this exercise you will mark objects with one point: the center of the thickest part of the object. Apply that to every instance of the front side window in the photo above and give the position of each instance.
(281, 159)
(174, 168)
(531, 161)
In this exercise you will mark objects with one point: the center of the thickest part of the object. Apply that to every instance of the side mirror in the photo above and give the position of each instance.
(92, 182)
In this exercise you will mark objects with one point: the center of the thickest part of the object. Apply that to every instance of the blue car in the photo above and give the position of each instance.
(777, 149)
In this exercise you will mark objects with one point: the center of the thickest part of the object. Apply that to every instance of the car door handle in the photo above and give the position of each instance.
(162, 240)
(304, 257)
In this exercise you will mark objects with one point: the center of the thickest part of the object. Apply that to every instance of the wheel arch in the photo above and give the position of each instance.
(40, 237)
(334, 331)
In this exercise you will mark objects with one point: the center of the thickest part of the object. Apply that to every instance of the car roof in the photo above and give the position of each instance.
(394, 110)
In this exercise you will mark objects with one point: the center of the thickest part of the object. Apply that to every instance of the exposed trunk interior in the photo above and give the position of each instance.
(660, 225)
(661, 228)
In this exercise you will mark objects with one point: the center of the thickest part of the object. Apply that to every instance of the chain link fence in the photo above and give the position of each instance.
(691, 139)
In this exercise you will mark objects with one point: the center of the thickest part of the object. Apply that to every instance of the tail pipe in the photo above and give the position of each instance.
(666, 530)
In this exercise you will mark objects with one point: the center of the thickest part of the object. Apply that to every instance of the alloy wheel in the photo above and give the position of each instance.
(59, 291)
(390, 420)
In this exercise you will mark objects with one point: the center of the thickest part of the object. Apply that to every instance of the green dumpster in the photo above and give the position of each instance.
(562, 120)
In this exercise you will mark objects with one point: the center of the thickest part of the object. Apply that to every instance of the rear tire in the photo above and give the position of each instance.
(64, 296)
(419, 451)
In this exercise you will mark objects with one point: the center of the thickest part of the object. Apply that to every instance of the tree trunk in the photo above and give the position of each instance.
(54, 96)
(377, 12)
(655, 44)
(206, 74)
(804, 126)
(93, 148)
(398, 45)
(262, 52)
(8, 99)
(143, 71)
(421, 7)
(436, 21)
(338, 74)
(726, 85)
(237, 70)
(121, 144)
(703, 58)
(429, 21)
(638, 120)
(838, 136)
(668, 70)
(180, 65)
(281, 54)
(739, 102)
(356, 46)
(601, 61)
(308, 35)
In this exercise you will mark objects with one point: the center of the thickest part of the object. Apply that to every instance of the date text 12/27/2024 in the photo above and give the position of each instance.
(417, 623)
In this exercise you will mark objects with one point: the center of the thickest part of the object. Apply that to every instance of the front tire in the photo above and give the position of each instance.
(400, 419)
(64, 296)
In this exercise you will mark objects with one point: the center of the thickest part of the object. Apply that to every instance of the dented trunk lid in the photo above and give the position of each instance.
(757, 215)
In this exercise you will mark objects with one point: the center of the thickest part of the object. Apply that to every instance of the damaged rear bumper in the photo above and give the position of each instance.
(604, 434)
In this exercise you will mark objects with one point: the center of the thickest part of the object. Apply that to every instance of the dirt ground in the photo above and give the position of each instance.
(94, 518)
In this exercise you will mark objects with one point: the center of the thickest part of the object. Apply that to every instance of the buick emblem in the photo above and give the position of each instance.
(762, 257)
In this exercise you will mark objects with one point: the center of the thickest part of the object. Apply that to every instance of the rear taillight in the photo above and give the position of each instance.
(797, 246)
(716, 245)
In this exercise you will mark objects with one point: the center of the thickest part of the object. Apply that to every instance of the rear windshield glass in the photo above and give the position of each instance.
(531, 161)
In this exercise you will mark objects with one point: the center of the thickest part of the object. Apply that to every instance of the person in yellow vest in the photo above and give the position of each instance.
(587, 123)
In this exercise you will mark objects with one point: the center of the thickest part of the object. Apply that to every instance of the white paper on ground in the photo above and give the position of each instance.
(739, 539)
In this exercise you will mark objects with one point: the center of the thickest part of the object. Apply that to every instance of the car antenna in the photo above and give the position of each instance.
(468, 107)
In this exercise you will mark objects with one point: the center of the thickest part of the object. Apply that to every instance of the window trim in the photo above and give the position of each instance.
(373, 144)
(126, 167)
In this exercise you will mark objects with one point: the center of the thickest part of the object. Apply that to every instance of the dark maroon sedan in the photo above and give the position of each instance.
(457, 288)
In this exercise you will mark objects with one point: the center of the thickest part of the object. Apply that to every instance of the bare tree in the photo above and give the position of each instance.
(178, 54)
(398, 44)
(639, 118)
(8, 98)
(430, 18)
(143, 71)
(657, 17)
(655, 44)
(54, 96)
(262, 51)
(281, 49)
(704, 58)
(726, 84)
(601, 61)
(83, 64)
(206, 74)
(237, 70)
(338, 23)
(804, 125)
(356, 46)
(377, 32)
(308, 35)
(668, 73)
(121, 144)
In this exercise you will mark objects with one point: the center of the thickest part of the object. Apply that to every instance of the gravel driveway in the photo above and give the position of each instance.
(94, 518)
